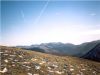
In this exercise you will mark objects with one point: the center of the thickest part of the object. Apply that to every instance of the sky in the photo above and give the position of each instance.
(35, 22)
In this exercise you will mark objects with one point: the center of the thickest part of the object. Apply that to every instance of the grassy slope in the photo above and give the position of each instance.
(23, 62)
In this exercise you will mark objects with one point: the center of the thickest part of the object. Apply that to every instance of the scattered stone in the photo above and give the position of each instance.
(49, 68)
(83, 69)
(71, 69)
(35, 74)
(20, 60)
(10, 58)
(20, 56)
(13, 65)
(33, 59)
(16, 60)
(81, 73)
(4, 70)
(6, 60)
(77, 74)
(43, 62)
(12, 55)
(1, 52)
(94, 72)
(28, 67)
(5, 54)
(26, 62)
(29, 73)
(58, 72)
(37, 67)
(65, 66)
(55, 65)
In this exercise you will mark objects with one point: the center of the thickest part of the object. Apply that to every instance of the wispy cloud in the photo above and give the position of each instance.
(22, 15)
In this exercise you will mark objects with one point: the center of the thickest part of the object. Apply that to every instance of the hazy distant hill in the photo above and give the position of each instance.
(16, 61)
(63, 49)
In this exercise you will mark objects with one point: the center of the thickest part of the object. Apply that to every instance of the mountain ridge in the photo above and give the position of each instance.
(63, 49)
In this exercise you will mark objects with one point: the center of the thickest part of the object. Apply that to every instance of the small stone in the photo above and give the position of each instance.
(20, 56)
(5, 54)
(71, 69)
(33, 59)
(4, 70)
(58, 72)
(35, 74)
(1, 52)
(83, 69)
(29, 73)
(37, 67)
(6, 60)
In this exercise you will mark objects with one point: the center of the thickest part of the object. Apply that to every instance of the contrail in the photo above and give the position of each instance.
(42, 11)
(22, 14)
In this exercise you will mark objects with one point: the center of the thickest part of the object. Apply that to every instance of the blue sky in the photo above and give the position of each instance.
(35, 22)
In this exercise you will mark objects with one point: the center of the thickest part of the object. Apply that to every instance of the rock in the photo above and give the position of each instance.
(71, 69)
(4, 70)
(29, 73)
(37, 67)
(58, 72)
(35, 74)
(6, 60)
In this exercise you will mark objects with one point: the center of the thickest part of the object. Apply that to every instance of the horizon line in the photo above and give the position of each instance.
(48, 42)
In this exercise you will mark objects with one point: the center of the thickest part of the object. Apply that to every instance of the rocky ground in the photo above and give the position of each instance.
(15, 61)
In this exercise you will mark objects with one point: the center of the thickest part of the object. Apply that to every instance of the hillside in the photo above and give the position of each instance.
(16, 61)
(94, 54)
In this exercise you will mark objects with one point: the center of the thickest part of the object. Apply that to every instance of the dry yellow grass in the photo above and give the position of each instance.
(24, 62)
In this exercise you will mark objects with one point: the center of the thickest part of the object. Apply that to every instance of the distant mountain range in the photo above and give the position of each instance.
(84, 50)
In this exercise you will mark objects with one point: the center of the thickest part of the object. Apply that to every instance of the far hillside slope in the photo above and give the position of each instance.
(94, 54)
